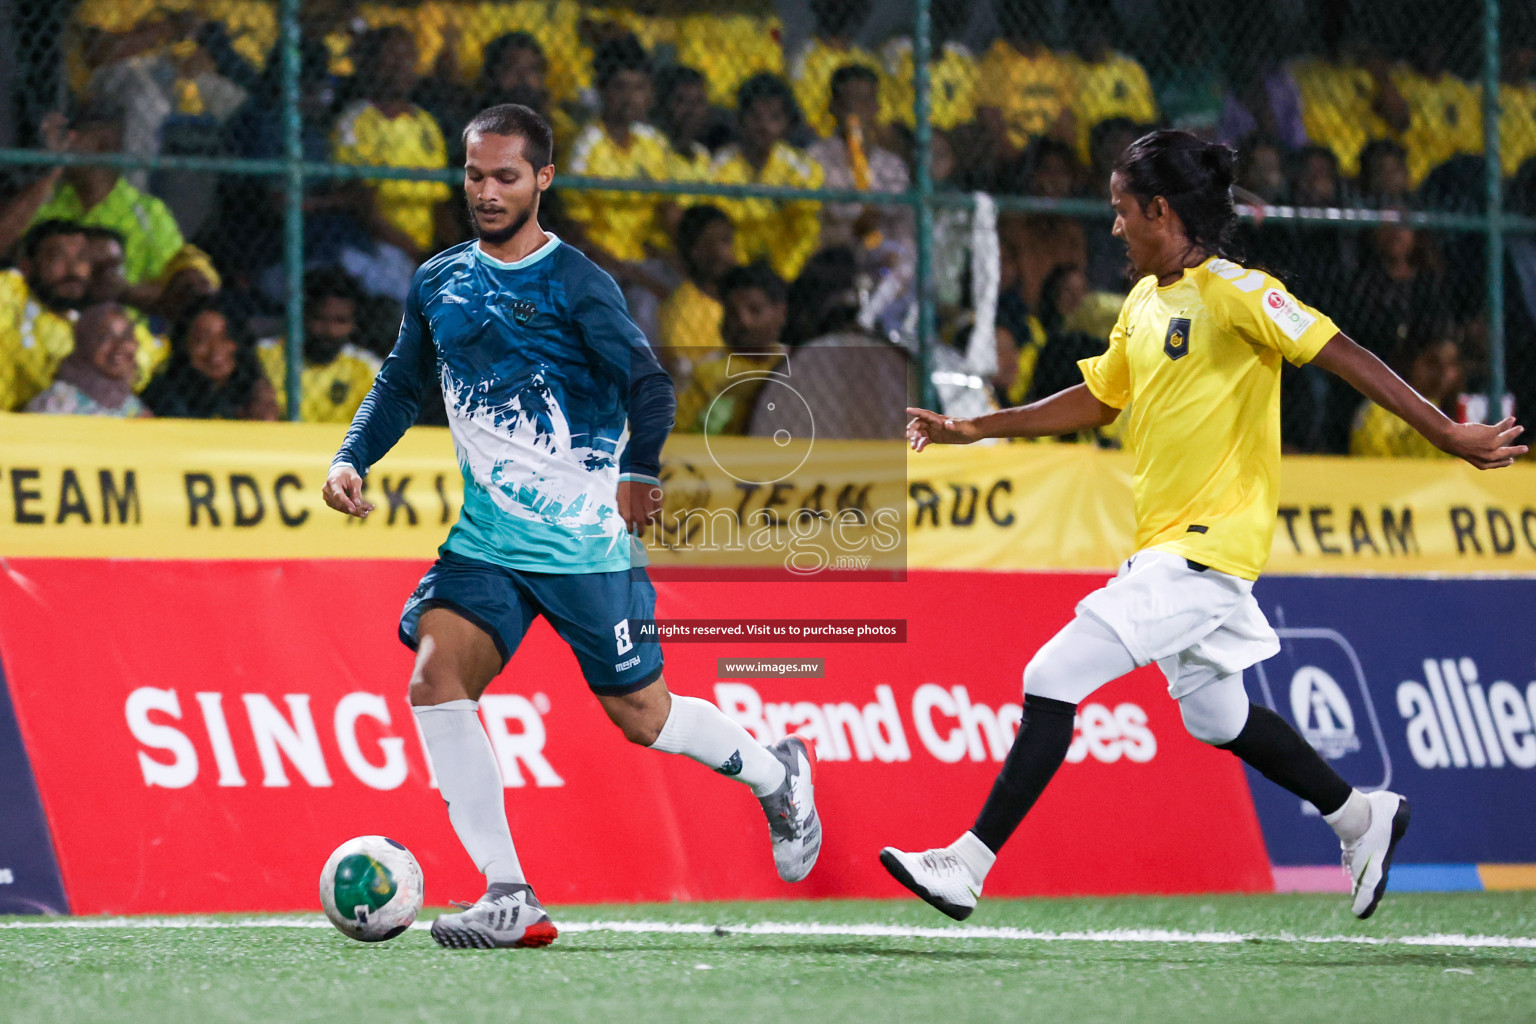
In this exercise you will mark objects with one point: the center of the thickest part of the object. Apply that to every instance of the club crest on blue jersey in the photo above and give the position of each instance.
(1176, 341)
(523, 311)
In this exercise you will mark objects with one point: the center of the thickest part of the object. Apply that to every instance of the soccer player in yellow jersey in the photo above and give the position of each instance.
(1195, 361)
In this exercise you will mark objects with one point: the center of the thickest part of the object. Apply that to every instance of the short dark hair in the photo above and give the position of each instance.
(757, 275)
(330, 283)
(765, 85)
(98, 233)
(37, 234)
(694, 221)
(673, 78)
(851, 73)
(516, 121)
(498, 49)
(622, 53)
(1378, 148)
(1193, 176)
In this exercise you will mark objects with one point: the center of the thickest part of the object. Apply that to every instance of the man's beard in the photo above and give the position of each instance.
(56, 302)
(503, 235)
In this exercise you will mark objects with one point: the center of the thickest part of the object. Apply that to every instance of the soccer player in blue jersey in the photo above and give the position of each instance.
(558, 411)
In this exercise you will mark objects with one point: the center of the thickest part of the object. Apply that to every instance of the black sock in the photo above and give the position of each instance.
(1278, 752)
(1045, 733)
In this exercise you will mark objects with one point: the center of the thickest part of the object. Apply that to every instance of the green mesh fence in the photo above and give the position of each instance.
(261, 179)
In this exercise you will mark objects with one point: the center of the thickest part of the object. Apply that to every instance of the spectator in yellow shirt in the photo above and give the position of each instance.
(1517, 103)
(385, 128)
(951, 72)
(729, 47)
(1445, 113)
(620, 144)
(1108, 84)
(831, 47)
(756, 312)
(1349, 98)
(39, 300)
(337, 373)
(784, 232)
(1430, 361)
(1025, 89)
(690, 318)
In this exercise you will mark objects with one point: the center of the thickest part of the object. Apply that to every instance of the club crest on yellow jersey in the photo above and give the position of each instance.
(1176, 341)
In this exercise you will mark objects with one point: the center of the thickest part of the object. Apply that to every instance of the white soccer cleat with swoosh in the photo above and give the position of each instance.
(1368, 860)
(938, 876)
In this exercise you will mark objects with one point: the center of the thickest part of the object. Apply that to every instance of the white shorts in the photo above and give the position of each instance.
(1197, 624)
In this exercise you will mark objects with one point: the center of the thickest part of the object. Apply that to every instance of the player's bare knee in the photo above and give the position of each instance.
(434, 682)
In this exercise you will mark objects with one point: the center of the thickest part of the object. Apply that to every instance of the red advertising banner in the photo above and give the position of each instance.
(205, 733)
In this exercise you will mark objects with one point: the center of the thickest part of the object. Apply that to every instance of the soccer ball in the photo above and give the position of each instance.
(371, 888)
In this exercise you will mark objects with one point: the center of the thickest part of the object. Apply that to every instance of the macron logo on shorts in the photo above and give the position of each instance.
(1287, 314)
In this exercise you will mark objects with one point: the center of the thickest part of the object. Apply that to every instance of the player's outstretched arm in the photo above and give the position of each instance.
(1065, 412)
(1485, 445)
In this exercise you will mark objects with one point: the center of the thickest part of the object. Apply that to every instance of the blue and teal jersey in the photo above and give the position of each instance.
(552, 394)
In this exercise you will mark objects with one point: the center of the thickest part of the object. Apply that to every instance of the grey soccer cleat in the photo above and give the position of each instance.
(1368, 860)
(793, 824)
(937, 876)
(508, 916)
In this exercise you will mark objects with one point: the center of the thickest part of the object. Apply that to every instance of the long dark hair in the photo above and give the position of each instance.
(180, 390)
(1194, 177)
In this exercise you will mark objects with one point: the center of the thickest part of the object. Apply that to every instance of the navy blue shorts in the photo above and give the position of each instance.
(591, 611)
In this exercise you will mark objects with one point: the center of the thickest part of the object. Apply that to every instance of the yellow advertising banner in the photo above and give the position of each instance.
(81, 487)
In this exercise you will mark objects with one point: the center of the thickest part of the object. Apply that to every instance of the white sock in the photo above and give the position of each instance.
(973, 853)
(1351, 820)
(696, 728)
(470, 783)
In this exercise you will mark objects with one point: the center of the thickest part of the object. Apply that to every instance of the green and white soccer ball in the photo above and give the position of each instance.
(371, 888)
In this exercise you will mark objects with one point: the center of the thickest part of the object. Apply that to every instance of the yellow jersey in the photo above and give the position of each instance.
(1337, 108)
(1517, 126)
(1114, 87)
(1030, 92)
(1379, 434)
(810, 76)
(327, 394)
(1445, 119)
(251, 25)
(152, 352)
(619, 222)
(1197, 365)
(728, 49)
(33, 341)
(363, 135)
(703, 407)
(690, 320)
(951, 85)
(784, 233)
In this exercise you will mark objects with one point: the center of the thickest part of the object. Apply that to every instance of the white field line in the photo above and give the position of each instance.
(882, 931)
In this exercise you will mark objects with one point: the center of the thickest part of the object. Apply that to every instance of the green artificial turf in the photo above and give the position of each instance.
(725, 976)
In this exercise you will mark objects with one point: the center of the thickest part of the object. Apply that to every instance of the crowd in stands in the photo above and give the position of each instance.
(134, 293)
